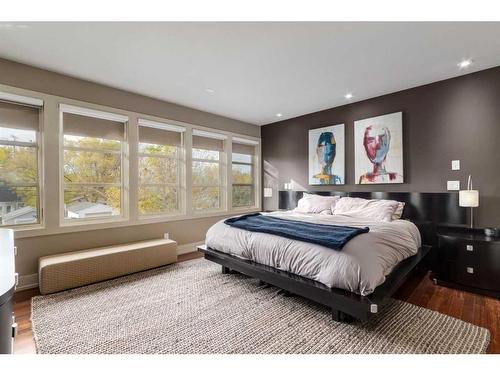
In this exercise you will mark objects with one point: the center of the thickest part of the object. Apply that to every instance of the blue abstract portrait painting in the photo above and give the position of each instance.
(326, 155)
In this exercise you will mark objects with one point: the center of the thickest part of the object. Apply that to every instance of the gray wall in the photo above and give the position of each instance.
(183, 231)
(457, 118)
(31, 248)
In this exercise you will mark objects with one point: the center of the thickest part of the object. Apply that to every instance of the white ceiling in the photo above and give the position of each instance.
(255, 69)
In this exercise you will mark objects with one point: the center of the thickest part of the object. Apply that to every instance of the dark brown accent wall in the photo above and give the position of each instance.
(458, 118)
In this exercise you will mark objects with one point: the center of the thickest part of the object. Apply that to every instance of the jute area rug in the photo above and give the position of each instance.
(191, 307)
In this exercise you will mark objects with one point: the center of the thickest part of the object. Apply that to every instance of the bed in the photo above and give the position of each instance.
(355, 282)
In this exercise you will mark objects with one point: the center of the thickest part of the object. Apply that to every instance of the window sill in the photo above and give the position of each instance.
(198, 213)
(89, 222)
(121, 222)
(242, 210)
(25, 229)
(152, 219)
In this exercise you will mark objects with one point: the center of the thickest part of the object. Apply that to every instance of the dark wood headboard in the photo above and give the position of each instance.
(428, 211)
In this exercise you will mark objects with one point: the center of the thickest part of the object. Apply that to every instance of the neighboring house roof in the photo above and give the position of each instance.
(86, 207)
(77, 209)
(25, 213)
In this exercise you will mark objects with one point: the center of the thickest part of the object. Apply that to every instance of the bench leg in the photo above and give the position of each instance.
(225, 270)
(340, 316)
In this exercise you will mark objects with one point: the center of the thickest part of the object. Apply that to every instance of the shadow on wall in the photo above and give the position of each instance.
(295, 186)
(271, 180)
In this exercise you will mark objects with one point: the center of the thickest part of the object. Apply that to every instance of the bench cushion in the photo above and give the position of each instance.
(70, 270)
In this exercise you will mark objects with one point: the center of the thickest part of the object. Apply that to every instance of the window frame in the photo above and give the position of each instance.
(255, 165)
(124, 166)
(221, 185)
(181, 166)
(252, 185)
(50, 165)
(38, 145)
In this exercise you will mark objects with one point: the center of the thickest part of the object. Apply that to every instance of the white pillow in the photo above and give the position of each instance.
(316, 204)
(399, 211)
(375, 209)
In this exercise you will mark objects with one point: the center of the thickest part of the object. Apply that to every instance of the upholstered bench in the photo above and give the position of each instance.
(70, 270)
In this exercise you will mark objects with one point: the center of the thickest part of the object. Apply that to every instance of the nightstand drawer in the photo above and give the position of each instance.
(461, 250)
(455, 272)
(469, 259)
(468, 275)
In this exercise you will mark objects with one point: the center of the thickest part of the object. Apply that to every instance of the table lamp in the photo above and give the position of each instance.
(469, 198)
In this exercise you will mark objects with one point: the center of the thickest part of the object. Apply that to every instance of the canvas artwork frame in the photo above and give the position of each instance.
(327, 155)
(378, 150)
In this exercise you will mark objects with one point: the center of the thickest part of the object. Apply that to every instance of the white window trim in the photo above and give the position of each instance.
(39, 103)
(252, 185)
(209, 134)
(49, 189)
(222, 182)
(181, 167)
(180, 185)
(256, 172)
(161, 125)
(88, 112)
(124, 167)
(245, 141)
(21, 99)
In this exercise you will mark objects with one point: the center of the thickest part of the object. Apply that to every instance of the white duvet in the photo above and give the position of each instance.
(359, 267)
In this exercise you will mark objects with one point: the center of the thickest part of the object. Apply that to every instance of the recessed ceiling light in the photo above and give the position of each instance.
(279, 114)
(464, 63)
(348, 95)
(209, 90)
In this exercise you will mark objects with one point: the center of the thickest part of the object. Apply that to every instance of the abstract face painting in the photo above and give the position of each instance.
(326, 155)
(378, 149)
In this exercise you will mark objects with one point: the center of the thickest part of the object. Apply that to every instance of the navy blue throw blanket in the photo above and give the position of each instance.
(332, 236)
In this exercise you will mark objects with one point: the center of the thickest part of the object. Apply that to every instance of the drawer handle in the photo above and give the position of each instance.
(470, 248)
(470, 270)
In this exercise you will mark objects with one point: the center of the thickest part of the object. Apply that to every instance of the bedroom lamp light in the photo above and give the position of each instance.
(469, 198)
(268, 192)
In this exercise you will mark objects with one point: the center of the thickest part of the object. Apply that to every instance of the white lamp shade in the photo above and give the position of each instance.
(268, 192)
(468, 198)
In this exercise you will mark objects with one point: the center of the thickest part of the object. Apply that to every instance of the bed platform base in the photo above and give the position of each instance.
(346, 306)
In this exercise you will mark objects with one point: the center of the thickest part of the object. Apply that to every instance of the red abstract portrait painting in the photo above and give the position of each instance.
(379, 149)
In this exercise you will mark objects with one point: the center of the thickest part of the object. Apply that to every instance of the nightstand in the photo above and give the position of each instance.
(468, 260)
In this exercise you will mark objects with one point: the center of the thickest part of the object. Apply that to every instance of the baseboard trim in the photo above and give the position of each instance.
(27, 282)
(188, 247)
(31, 281)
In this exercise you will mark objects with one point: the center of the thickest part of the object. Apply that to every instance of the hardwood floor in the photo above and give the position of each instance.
(24, 344)
(418, 290)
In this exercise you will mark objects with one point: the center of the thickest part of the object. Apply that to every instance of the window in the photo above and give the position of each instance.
(243, 169)
(93, 163)
(19, 156)
(160, 168)
(207, 171)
